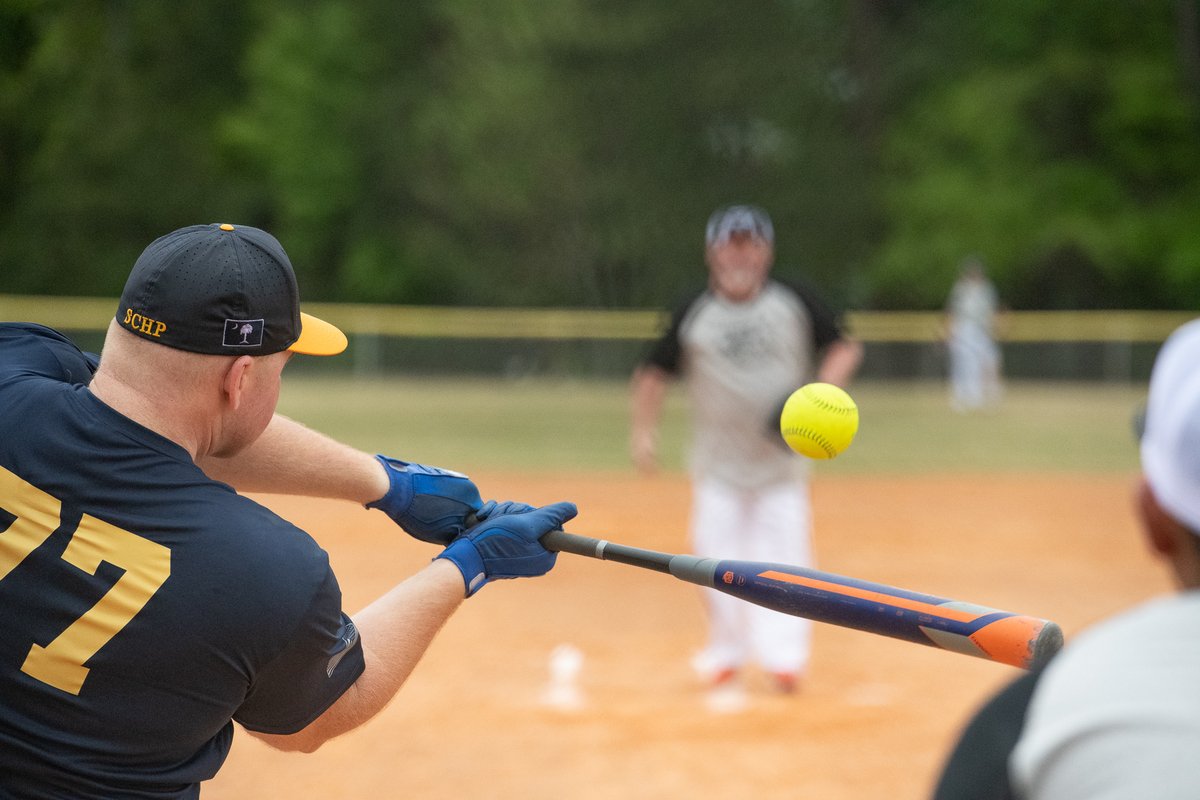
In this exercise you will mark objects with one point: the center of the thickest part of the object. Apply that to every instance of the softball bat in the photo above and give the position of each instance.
(967, 628)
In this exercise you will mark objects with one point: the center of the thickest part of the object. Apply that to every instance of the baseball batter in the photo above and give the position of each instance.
(743, 346)
(145, 605)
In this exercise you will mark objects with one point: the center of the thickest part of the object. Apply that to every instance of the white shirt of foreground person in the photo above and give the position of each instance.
(1117, 715)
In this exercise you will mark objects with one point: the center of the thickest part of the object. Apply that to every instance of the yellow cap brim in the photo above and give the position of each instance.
(318, 338)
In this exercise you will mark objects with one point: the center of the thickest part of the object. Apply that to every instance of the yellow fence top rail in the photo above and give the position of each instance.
(94, 313)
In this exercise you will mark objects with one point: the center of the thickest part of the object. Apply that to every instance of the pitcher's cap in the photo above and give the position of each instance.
(726, 221)
(221, 289)
(1171, 437)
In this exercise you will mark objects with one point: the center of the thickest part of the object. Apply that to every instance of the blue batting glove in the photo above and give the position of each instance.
(491, 508)
(430, 503)
(507, 544)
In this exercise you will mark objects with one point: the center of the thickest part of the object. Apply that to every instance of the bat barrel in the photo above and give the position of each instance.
(1014, 639)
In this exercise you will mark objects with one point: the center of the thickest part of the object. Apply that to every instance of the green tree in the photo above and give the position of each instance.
(410, 150)
(682, 110)
(1064, 151)
(568, 151)
(108, 134)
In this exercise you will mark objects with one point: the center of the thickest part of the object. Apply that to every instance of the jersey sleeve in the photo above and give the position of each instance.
(666, 352)
(827, 325)
(322, 660)
(31, 349)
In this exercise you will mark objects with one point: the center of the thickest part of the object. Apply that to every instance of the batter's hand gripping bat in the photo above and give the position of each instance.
(973, 630)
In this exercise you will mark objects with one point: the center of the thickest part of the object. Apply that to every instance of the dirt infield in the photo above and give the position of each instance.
(875, 715)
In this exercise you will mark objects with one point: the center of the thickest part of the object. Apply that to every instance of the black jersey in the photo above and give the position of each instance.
(741, 361)
(142, 605)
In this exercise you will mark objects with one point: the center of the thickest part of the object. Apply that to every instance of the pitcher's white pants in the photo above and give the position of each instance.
(974, 370)
(770, 524)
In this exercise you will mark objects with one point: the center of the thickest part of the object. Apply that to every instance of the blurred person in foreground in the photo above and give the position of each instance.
(1116, 714)
(742, 346)
(146, 605)
(975, 360)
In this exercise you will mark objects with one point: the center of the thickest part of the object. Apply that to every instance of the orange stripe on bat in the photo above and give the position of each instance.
(1009, 640)
(954, 614)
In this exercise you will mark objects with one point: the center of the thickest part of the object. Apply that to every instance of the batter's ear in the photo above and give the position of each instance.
(1169, 539)
(234, 382)
(1163, 532)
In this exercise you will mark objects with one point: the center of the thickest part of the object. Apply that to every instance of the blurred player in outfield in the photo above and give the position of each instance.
(1116, 714)
(144, 604)
(975, 361)
(742, 346)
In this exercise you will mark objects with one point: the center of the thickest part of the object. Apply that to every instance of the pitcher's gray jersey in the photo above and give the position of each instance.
(741, 361)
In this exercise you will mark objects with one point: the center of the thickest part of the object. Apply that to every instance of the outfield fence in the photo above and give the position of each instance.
(1037, 345)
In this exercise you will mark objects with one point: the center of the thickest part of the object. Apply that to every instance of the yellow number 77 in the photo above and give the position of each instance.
(147, 566)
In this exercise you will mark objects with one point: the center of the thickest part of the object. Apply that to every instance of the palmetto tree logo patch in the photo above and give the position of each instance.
(244, 332)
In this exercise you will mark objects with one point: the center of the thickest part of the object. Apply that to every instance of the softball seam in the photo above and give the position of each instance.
(825, 405)
(812, 436)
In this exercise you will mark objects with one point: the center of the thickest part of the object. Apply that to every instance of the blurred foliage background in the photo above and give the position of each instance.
(568, 152)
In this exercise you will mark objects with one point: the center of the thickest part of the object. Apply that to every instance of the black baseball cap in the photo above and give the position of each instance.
(729, 220)
(222, 289)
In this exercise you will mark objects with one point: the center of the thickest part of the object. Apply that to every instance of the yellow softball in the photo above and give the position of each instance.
(819, 420)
